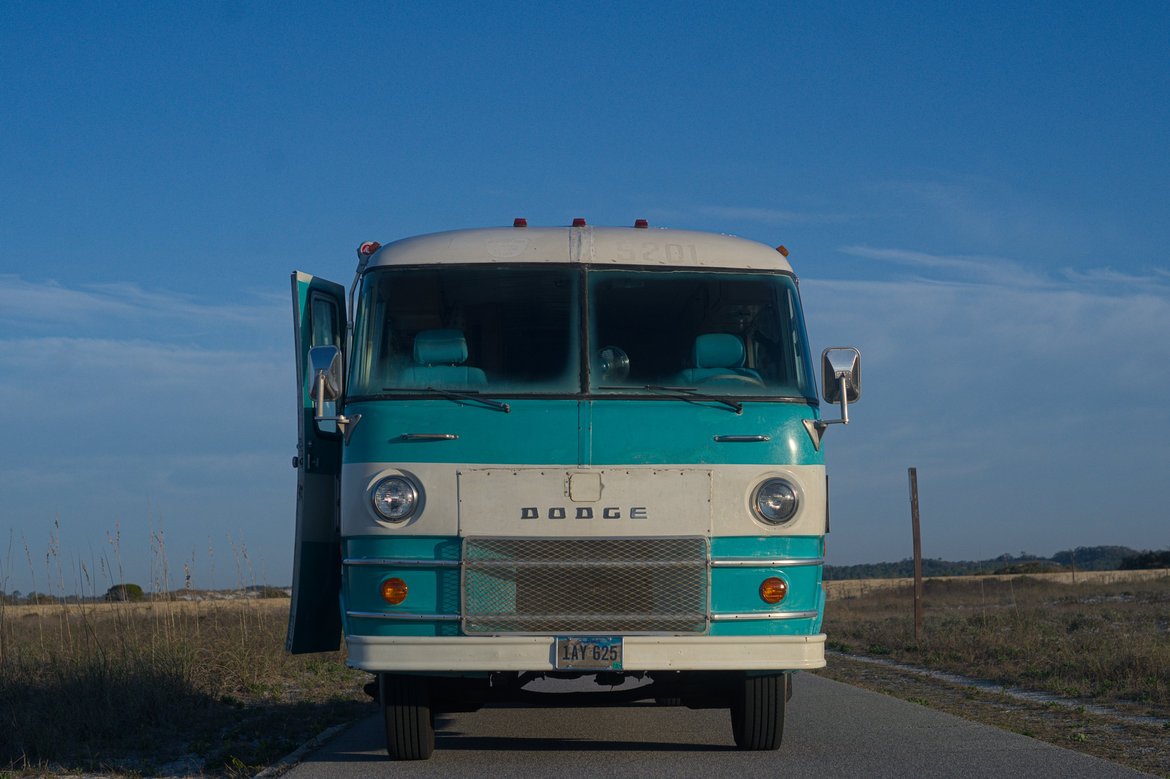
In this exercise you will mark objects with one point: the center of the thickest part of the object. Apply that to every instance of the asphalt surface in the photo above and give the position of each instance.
(831, 730)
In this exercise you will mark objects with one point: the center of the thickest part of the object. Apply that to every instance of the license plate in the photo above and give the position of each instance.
(595, 653)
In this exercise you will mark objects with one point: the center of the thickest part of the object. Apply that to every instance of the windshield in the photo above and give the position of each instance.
(723, 333)
(516, 330)
(486, 328)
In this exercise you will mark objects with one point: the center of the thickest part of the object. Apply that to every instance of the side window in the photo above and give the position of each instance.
(324, 321)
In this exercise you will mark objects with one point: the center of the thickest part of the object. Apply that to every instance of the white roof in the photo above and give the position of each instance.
(653, 247)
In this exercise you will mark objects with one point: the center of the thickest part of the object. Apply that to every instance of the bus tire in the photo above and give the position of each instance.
(409, 720)
(757, 712)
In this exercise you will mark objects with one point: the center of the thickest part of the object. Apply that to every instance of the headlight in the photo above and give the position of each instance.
(395, 498)
(775, 501)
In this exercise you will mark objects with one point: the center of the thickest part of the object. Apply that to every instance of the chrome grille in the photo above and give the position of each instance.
(585, 585)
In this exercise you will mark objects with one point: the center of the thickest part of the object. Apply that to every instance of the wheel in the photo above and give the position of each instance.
(410, 723)
(757, 712)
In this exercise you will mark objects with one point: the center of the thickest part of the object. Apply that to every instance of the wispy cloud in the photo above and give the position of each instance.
(776, 216)
(133, 405)
(1003, 272)
(960, 266)
(119, 306)
(1108, 275)
(991, 214)
(1016, 395)
(137, 392)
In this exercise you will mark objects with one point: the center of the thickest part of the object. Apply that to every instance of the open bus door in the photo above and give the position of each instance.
(314, 620)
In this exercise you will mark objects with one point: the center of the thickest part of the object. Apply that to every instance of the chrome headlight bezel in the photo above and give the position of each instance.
(776, 501)
(395, 498)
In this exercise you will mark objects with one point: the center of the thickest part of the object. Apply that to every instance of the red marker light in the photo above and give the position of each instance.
(369, 247)
(579, 222)
(394, 591)
(641, 224)
(519, 222)
(782, 250)
(772, 590)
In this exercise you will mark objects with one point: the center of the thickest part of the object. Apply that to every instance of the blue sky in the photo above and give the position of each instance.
(976, 196)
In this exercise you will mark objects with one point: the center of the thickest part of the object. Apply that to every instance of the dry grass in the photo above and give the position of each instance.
(161, 687)
(169, 687)
(1105, 642)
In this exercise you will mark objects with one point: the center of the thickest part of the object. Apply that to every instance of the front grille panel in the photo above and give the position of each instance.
(585, 585)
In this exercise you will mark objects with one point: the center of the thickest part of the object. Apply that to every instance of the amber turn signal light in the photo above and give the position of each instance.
(394, 591)
(773, 590)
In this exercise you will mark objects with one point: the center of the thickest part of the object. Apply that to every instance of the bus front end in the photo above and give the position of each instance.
(574, 453)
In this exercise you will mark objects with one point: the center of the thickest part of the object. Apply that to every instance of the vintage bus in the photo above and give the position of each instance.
(590, 453)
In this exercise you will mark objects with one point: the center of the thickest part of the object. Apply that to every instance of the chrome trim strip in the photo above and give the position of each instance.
(428, 437)
(726, 562)
(759, 562)
(402, 616)
(765, 615)
(395, 562)
(742, 439)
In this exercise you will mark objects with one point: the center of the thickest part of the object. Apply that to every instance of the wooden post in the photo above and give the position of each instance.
(917, 554)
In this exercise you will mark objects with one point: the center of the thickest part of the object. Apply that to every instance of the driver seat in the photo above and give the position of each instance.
(438, 358)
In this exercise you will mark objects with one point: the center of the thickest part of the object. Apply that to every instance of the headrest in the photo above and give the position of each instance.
(440, 347)
(718, 350)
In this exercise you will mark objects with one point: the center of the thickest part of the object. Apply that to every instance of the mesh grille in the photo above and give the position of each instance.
(585, 585)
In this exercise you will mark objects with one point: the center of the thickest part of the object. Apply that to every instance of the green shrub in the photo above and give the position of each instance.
(121, 593)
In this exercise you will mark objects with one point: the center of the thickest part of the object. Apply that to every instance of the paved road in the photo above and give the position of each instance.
(832, 730)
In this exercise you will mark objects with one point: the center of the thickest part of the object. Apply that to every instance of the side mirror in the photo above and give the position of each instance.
(841, 375)
(840, 383)
(325, 369)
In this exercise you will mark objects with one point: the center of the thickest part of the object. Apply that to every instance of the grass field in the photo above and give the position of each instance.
(170, 687)
(1109, 642)
(1101, 648)
(161, 687)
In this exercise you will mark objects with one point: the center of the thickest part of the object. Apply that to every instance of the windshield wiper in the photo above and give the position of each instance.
(689, 394)
(457, 395)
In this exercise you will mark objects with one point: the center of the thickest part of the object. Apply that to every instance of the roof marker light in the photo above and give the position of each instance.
(369, 247)
(579, 222)
(641, 223)
(519, 222)
(782, 250)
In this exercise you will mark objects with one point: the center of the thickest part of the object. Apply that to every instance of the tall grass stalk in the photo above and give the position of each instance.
(125, 687)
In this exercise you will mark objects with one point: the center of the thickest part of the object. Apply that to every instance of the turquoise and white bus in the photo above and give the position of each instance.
(563, 452)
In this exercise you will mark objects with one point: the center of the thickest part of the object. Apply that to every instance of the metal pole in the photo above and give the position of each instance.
(917, 554)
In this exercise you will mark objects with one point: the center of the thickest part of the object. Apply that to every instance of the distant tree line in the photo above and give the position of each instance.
(1083, 558)
(1147, 560)
(119, 592)
(125, 593)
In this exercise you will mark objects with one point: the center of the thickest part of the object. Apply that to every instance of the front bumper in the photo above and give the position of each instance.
(536, 653)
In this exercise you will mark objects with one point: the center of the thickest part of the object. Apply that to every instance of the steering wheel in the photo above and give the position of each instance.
(732, 377)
